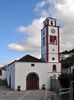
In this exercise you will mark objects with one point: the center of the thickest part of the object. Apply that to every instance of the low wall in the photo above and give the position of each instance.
(55, 84)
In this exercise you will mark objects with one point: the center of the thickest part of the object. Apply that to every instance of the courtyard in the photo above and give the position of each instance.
(7, 94)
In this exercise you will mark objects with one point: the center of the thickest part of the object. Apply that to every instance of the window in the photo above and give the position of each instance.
(52, 49)
(54, 68)
(51, 22)
(32, 65)
(53, 40)
(0, 72)
(73, 71)
(43, 41)
(53, 58)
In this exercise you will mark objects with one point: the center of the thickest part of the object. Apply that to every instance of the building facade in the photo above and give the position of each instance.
(66, 54)
(33, 73)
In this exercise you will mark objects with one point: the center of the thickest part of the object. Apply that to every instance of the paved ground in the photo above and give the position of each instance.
(6, 94)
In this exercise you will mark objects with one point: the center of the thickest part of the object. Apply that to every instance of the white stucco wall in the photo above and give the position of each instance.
(51, 47)
(51, 56)
(43, 70)
(52, 27)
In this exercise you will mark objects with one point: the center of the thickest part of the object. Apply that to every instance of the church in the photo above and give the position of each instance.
(30, 73)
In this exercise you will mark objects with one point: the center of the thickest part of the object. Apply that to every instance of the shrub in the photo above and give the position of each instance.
(64, 80)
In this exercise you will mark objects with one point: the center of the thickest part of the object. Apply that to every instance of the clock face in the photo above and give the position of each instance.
(52, 30)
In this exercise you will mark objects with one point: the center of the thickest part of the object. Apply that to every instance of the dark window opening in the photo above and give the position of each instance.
(0, 72)
(52, 49)
(32, 65)
(53, 58)
(51, 22)
(54, 68)
(73, 71)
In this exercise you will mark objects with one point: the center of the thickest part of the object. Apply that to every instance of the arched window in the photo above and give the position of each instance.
(51, 22)
(53, 40)
(54, 68)
(0, 72)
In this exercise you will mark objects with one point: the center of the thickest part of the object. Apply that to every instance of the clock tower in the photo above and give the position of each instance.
(50, 41)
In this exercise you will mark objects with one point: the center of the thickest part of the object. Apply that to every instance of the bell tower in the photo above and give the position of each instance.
(50, 41)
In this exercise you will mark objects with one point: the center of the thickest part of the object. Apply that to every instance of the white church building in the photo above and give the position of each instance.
(32, 73)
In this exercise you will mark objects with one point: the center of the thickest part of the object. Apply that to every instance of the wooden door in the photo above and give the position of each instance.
(32, 82)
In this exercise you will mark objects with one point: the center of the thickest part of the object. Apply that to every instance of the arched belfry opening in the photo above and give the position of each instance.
(32, 81)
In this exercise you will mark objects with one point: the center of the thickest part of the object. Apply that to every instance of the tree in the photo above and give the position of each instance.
(68, 62)
(64, 80)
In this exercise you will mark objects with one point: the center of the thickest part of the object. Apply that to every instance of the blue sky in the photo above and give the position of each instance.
(13, 13)
(21, 22)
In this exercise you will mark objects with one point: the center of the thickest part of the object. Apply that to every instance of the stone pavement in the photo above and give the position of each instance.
(6, 94)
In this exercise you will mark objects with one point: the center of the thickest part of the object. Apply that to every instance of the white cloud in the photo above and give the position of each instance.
(65, 13)
(40, 5)
(33, 29)
(16, 46)
(33, 42)
(63, 10)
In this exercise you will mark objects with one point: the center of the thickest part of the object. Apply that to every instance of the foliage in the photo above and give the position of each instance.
(68, 62)
(64, 80)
